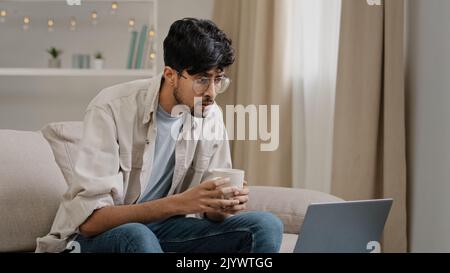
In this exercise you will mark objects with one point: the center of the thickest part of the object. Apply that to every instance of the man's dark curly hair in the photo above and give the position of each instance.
(197, 46)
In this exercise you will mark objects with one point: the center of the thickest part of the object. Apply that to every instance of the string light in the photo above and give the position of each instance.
(50, 24)
(26, 23)
(131, 24)
(114, 7)
(73, 24)
(3, 15)
(152, 54)
(94, 17)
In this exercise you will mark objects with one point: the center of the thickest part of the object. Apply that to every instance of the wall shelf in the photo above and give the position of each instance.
(76, 32)
(75, 72)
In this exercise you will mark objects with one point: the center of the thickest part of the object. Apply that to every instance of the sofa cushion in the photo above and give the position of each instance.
(288, 243)
(63, 138)
(31, 186)
(288, 204)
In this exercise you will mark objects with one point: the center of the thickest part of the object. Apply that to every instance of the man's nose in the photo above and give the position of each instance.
(211, 91)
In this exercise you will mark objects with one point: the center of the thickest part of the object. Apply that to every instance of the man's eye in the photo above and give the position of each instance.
(218, 80)
(203, 81)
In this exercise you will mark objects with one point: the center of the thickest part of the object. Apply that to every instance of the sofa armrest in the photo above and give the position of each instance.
(289, 204)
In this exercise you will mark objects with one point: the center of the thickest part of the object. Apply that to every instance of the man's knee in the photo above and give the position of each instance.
(267, 230)
(265, 221)
(136, 237)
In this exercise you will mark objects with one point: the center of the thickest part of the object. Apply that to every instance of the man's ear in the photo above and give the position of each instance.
(170, 76)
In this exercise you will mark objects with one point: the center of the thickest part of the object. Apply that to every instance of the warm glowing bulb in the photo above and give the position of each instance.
(73, 23)
(3, 13)
(131, 23)
(152, 56)
(94, 15)
(151, 33)
(114, 5)
(26, 20)
(50, 22)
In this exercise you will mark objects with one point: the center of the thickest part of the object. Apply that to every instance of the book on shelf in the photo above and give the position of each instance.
(142, 45)
(132, 50)
(140, 48)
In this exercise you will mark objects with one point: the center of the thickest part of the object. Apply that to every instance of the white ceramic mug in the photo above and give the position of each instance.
(236, 177)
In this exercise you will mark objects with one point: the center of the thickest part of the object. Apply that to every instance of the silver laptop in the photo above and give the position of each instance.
(343, 227)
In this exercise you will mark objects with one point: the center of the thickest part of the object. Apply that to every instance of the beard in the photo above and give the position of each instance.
(199, 104)
(176, 95)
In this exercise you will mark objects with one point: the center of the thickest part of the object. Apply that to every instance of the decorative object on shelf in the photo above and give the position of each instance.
(98, 61)
(3, 14)
(26, 23)
(86, 61)
(77, 61)
(81, 61)
(94, 16)
(50, 24)
(54, 61)
(73, 24)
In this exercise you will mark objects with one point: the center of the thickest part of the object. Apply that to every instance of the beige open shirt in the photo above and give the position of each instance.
(115, 156)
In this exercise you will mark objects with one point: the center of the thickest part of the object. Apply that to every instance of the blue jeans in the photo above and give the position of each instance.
(255, 232)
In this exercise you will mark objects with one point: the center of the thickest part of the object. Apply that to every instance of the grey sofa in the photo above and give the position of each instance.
(33, 167)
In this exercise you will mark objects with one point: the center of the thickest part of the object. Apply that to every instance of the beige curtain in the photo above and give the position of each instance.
(368, 148)
(260, 77)
(369, 128)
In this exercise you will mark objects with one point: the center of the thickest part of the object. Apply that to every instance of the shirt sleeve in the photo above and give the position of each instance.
(96, 182)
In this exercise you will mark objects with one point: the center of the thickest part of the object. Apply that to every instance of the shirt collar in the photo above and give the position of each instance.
(152, 98)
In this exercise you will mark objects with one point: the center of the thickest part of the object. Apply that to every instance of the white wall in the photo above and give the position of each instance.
(172, 10)
(28, 103)
(428, 103)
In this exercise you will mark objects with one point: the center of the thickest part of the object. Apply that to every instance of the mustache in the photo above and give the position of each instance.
(208, 100)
